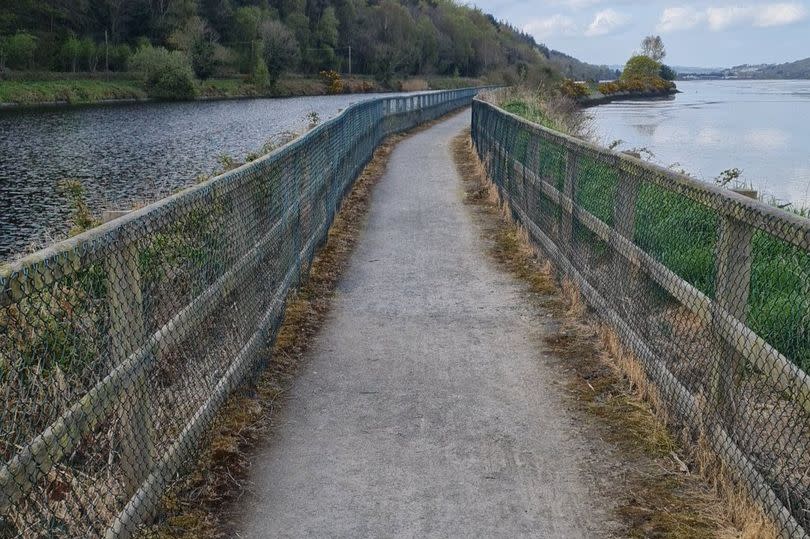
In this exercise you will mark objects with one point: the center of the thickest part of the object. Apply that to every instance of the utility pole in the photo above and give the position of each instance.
(350, 61)
(106, 52)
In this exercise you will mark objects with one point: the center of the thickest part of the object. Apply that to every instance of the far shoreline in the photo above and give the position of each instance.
(217, 90)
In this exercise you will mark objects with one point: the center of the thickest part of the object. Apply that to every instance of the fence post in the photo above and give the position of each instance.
(625, 276)
(127, 333)
(569, 191)
(733, 257)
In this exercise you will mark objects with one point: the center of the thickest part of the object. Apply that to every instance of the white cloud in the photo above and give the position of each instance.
(578, 4)
(780, 14)
(719, 18)
(679, 18)
(606, 22)
(550, 26)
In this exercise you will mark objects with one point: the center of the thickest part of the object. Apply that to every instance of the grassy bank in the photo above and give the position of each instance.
(681, 234)
(68, 91)
(72, 90)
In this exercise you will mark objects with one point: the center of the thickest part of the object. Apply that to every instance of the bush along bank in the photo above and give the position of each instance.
(643, 77)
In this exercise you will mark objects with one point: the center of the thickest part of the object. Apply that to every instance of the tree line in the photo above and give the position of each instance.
(384, 38)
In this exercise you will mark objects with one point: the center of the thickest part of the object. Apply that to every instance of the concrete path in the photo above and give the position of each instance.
(426, 408)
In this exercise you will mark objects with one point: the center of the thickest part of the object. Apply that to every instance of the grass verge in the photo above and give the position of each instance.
(200, 504)
(68, 91)
(94, 90)
(670, 488)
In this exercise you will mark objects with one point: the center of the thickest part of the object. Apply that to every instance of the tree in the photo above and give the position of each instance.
(280, 48)
(197, 40)
(71, 50)
(641, 68)
(653, 47)
(88, 52)
(20, 50)
(259, 73)
(166, 75)
(667, 73)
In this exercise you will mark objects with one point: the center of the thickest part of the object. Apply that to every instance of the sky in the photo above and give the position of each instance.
(716, 33)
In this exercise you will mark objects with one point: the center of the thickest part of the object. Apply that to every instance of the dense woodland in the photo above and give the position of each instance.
(387, 38)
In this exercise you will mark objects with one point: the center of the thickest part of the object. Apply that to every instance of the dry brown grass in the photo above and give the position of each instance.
(202, 503)
(672, 488)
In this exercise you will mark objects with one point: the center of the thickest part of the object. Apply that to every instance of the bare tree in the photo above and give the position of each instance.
(653, 47)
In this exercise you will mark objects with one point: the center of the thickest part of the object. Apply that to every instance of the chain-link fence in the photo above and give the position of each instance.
(710, 290)
(118, 346)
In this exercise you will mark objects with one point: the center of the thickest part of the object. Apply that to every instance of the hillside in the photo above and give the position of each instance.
(570, 67)
(791, 70)
(386, 39)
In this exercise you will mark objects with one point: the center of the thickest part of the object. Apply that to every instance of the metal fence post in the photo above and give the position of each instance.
(127, 332)
(569, 191)
(733, 257)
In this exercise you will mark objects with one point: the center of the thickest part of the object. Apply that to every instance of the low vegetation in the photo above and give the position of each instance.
(68, 91)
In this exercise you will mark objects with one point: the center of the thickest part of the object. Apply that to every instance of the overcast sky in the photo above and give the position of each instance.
(715, 33)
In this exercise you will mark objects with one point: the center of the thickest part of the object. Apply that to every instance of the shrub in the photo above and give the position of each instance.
(166, 75)
(573, 90)
(334, 83)
(609, 88)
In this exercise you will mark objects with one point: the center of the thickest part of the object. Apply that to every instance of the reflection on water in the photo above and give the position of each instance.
(758, 126)
(127, 153)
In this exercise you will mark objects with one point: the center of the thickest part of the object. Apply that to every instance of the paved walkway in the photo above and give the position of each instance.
(426, 408)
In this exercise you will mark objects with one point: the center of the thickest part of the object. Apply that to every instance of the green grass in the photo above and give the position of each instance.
(681, 234)
(70, 91)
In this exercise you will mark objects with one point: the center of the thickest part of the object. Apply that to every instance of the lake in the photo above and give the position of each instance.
(128, 153)
(760, 127)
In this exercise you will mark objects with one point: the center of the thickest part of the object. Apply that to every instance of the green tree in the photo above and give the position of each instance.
(166, 75)
(641, 68)
(327, 31)
(71, 51)
(88, 53)
(667, 73)
(119, 54)
(279, 49)
(259, 73)
(20, 50)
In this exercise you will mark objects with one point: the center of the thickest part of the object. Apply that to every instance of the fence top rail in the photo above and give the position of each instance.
(789, 227)
(77, 251)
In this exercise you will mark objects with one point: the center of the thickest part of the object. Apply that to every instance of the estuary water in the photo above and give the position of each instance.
(126, 154)
(760, 127)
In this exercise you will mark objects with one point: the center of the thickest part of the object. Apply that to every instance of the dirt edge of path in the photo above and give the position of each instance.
(202, 504)
(670, 488)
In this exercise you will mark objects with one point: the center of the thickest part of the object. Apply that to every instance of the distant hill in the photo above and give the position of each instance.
(790, 70)
(572, 68)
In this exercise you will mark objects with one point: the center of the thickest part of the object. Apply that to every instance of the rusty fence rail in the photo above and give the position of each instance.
(118, 346)
(709, 289)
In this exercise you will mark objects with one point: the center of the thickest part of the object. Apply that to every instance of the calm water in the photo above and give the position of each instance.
(127, 153)
(761, 127)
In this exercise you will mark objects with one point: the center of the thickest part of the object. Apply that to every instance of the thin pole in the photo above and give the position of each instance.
(106, 52)
(350, 61)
